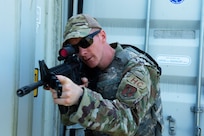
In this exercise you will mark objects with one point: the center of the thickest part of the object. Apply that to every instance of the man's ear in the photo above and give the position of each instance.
(103, 35)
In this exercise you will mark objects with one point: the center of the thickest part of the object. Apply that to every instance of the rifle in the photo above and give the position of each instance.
(71, 68)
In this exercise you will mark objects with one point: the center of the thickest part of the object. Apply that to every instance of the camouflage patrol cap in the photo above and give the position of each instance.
(80, 26)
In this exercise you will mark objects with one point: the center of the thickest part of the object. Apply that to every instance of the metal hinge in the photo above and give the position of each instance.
(172, 125)
(197, 109)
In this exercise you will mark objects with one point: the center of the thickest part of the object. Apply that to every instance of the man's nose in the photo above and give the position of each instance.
(82, 51)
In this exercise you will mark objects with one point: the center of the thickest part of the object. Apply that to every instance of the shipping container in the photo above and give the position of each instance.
(171, 31)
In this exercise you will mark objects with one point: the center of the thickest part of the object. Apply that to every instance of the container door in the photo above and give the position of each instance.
(171, 32)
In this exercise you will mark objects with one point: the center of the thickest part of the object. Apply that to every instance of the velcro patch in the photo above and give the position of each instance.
(129, 91)
(136, 82)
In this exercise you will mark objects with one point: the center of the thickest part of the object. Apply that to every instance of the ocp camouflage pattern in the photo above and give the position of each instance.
(127, 99)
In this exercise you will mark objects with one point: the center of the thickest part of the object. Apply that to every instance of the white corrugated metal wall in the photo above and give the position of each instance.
(9, 65)
(30, 31)
(172, 34)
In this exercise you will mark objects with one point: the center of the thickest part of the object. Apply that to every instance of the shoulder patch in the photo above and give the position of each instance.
(129, 91)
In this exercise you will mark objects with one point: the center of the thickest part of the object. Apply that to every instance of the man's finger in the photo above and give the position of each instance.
(85, 82)
(63, 79)
(61, 101)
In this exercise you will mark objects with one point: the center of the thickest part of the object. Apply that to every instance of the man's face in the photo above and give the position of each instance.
(93, 54)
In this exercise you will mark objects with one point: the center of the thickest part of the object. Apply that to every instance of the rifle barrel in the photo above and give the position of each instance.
(28, 88)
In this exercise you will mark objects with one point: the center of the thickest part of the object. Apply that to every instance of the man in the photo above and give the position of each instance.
(120, 95)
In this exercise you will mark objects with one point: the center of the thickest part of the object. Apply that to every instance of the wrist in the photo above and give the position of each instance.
(80, 98)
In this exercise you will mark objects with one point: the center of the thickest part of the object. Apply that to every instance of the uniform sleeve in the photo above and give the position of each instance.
(135, 91)
(104, 115)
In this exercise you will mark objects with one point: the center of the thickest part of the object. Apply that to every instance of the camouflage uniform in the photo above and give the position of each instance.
(126, 101)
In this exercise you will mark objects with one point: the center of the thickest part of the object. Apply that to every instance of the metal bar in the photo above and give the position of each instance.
(70, 8)
(75, 7)
(198, 96)
(147, 26)
(80, 6)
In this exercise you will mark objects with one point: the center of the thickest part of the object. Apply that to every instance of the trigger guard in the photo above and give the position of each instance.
(58, 88)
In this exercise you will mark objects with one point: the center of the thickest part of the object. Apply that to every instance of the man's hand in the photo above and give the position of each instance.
(71, 92)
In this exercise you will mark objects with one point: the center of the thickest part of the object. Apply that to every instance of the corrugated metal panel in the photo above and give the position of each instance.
(30, 31)
(9, 65)
(26, 64)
